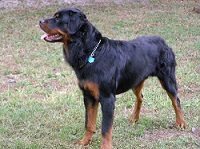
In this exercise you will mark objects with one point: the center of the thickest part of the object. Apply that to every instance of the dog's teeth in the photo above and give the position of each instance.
(43, 36)
(51, 37)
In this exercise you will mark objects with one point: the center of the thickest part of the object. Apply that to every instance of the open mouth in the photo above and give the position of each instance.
(52, 37)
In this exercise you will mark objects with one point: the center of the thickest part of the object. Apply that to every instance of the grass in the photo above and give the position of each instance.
(42, 107)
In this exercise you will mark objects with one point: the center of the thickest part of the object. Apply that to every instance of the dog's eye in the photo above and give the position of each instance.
(57, 17)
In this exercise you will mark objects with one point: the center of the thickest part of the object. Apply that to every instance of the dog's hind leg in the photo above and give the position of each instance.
(138, 103)
(169, 84)
(166, 75)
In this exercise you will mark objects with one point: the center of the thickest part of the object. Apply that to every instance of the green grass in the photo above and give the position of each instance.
(43, 107)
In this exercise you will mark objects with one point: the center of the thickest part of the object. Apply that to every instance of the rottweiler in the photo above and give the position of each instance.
(106, 67)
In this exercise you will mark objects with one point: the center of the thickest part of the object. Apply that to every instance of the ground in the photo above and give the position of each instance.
(13, 4)
(41, 105)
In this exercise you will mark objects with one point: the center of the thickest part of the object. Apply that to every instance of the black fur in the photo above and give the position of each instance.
(118, 66)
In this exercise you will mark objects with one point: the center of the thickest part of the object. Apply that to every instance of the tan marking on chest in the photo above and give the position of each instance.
(90, 86)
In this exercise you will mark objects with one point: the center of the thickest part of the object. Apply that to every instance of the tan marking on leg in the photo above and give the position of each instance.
(107, 140)
(91, 124)
(180, 122)
(138, 103)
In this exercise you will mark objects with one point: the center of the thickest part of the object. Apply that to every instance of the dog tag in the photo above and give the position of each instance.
(91, 59)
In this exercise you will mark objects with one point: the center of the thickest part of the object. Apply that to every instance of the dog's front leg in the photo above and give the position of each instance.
(91, 109)
(107, 107)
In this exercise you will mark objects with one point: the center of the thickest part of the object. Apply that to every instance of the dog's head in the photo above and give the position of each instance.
(62, 25)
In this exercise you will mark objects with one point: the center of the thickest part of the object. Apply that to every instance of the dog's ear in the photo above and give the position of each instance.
(77, 19)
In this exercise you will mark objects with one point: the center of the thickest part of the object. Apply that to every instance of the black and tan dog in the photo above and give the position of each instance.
(106, 67)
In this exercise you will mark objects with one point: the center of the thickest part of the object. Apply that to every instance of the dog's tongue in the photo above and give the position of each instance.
(44, 36)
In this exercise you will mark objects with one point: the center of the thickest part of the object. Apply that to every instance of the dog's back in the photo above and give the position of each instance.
(138, 59)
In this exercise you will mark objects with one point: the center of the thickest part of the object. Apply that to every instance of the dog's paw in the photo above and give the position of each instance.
(133, 120)
(83, 142)
(181, 124)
